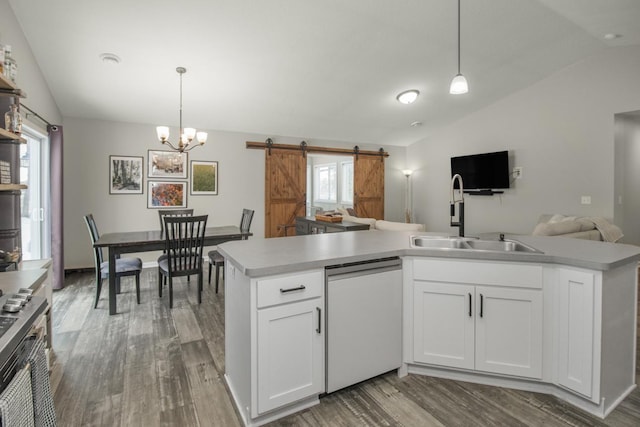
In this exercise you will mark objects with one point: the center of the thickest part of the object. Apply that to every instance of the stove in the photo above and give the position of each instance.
(15, 326)
(6, 323)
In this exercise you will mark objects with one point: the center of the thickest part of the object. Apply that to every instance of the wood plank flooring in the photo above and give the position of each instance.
(154, 366)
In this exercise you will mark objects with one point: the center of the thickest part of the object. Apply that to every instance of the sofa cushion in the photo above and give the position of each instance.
(556, 228)
(370, 221)
(397, 226)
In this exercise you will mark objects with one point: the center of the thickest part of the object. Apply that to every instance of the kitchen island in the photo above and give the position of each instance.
(561, 322)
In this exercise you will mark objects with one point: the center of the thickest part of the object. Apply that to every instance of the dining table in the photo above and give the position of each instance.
(154, 240)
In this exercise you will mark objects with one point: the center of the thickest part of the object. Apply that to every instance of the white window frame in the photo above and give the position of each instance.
(343, 180)
(317, 169)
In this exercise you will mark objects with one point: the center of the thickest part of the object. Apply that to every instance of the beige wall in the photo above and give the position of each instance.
(627, 176)
(89, 143)
(560, 131)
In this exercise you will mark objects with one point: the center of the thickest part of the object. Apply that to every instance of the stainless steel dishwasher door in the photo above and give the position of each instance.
(364, 321)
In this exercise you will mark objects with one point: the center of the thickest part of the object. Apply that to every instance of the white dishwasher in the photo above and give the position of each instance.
(364, 321)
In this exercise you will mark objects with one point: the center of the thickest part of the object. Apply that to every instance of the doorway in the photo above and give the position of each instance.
(626, 209)
(329, 183)
(35, 201)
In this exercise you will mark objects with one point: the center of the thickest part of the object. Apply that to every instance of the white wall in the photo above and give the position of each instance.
(627, 177)
(88, 144)
(560, 131)
(30, 79)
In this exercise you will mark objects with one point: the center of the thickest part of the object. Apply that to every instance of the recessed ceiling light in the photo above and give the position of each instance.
(611, 36)
(416, 124)
(110, 58)
(408, 96)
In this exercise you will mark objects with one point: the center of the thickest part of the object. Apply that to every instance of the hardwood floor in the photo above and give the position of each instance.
(151, 366)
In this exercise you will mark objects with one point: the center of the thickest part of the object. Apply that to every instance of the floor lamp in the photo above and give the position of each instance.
(407, 202)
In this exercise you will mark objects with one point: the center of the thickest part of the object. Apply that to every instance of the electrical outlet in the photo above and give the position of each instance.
(585, 200)
(517, 172)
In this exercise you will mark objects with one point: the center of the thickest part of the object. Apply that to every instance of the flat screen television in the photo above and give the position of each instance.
(486, 171)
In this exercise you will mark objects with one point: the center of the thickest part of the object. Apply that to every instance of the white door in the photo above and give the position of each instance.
(34, 172)
(575, 337)
(443, 324)
(290, 353)
(509, 331)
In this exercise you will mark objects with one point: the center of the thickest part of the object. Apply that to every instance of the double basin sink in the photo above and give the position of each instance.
(470, 244)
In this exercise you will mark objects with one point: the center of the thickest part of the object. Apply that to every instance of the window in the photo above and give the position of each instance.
(346, 183)
(326, 186)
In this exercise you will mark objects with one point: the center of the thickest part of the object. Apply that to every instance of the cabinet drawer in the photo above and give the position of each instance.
(295, 287)
(479, 272)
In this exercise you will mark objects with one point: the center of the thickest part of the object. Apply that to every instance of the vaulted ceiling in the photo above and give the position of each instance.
(312, 69)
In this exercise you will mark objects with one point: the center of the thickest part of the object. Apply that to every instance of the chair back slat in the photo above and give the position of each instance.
(184, 243)
(245, 221)
(93, 233)
(162, 213)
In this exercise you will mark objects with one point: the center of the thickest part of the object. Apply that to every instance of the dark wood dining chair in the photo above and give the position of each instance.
(162, 214)
(129, 266)
(216, 259)
(184, 245)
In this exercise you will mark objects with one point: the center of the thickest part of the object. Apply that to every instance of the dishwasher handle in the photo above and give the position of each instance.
(360, 268)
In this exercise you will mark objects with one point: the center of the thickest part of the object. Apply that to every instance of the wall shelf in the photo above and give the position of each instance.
(8, 137)
(9, 88)
(11, 193)
(12, 187)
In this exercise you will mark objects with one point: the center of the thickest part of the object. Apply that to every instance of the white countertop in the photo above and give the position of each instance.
(261, 257)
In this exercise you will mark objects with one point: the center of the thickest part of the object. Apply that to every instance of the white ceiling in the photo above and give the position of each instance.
(313, 69)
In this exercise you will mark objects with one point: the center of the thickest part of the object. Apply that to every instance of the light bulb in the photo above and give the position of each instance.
(190, 133)
(459, 85)
(163, 133)
(201, 137)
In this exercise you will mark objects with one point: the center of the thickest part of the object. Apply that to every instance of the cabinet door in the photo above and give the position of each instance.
(443, 324)
(290, 353)
(509, 331)
(575, 330)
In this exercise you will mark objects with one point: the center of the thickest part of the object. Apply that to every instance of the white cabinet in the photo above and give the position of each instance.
(274, 342)
(464, 323)
(509, 331)
(575, 322)
(290, 353)
(443, 330)
(290, 339)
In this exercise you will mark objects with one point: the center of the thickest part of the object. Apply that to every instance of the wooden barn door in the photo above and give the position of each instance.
(285, 189)
(368, 186)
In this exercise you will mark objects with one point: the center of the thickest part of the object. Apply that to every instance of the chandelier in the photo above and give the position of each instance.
(186, 134)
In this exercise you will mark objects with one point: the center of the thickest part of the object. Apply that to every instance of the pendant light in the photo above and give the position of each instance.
(459, 83)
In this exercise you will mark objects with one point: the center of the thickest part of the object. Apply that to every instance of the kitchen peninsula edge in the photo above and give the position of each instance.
(573, 289)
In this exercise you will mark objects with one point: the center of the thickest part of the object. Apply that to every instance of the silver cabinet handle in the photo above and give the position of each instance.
(319, 329)
(299, 288)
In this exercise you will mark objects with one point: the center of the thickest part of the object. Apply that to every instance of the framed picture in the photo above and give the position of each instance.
(125, 175)
(167, 194)
(204, 178)
(167, 164)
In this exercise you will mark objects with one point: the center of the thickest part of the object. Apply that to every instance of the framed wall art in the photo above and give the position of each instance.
(126, 174)
(204, 178)
(167, 164)
(167, 194)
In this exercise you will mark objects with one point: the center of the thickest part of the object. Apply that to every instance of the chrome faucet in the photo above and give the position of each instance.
(460, 222)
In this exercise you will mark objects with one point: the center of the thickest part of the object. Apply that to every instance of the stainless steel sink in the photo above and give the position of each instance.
(470, 244)
(439, 243)
(500, 245)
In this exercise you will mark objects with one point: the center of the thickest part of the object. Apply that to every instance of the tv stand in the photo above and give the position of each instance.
(483, 192)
